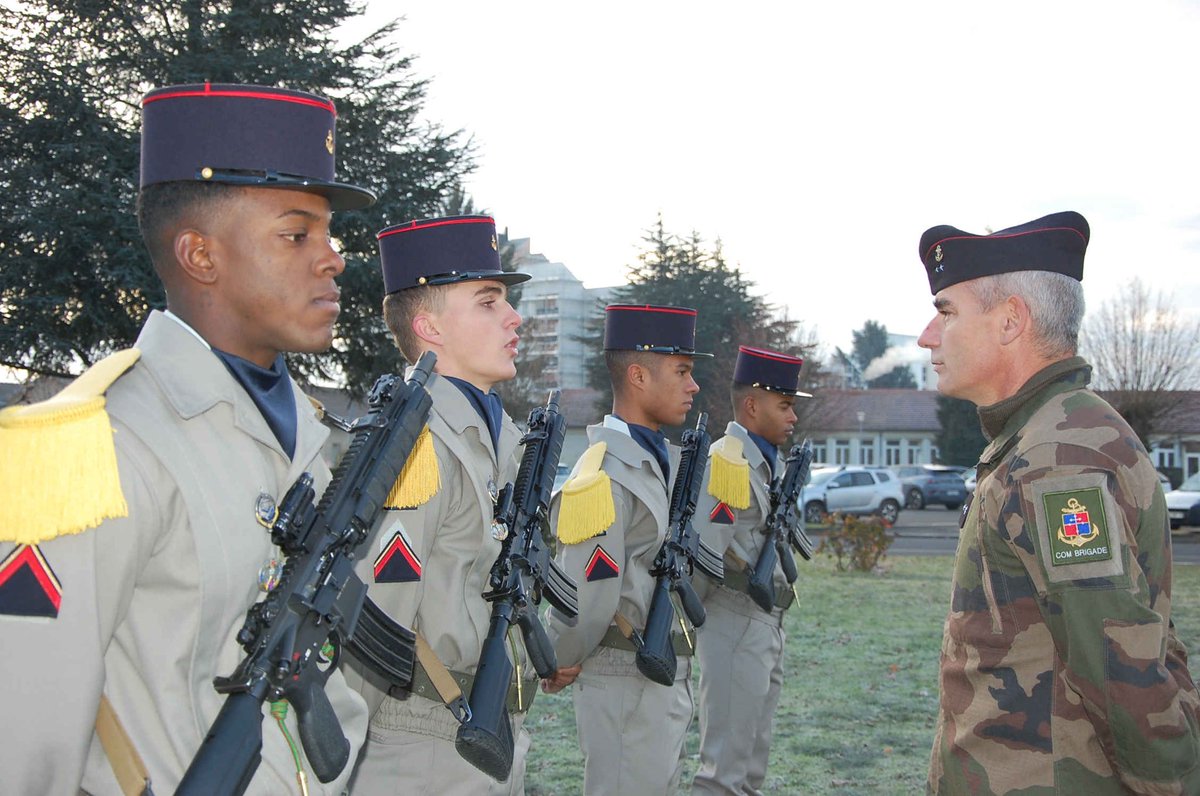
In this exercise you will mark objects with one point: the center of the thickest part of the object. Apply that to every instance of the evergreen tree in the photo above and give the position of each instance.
(687, 273)
(960, 440)
(75, 280)
(871, 343)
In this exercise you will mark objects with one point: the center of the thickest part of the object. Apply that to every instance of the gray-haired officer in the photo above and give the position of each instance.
(740, 651)
(132, 549)
(611, 517)
(446, 293)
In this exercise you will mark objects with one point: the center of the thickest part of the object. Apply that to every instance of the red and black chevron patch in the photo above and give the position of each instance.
(28, 586)
(601, 566)
(722, 514)
(398, 563)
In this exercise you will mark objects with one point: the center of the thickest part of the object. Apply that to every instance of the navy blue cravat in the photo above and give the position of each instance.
(769, 451)
(488, 405)
(654, 443)
(271, 391)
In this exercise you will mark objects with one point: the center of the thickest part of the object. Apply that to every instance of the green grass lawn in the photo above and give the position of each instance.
(860, 696)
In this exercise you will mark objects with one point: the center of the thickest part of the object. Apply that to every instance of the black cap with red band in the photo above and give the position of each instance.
(646, 327)
(442, 251)
(768, 370)
(1056, 242)
(244, 135)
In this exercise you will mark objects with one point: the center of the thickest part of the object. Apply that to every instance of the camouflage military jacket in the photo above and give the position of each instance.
(1060, 669)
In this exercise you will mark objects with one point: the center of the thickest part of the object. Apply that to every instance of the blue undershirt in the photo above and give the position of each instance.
(769, 451)
(654, 443)
(488, 405)
(271, 391)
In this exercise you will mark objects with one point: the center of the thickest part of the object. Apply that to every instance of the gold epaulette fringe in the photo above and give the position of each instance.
(587, 503)
(419, 480)
(58, 469)
(729, 473)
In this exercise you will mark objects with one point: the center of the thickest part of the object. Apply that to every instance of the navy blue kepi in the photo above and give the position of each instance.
(646, 327)
(244, 135)
(442, 251)
(768, 370)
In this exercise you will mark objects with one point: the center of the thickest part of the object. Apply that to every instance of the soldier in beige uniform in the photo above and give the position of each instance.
(740, 650)
(432, 553)
(129, 546)
(611, 518)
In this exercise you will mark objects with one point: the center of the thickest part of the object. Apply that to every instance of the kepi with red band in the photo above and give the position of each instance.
(442, 251)
(647, 327)
(768, 370)
(244, 135)
(1055, 243)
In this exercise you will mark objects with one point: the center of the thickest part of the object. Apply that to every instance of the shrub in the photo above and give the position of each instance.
(857, 542)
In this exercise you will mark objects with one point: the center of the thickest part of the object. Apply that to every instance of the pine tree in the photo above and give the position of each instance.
(960, 440)
(75, 281)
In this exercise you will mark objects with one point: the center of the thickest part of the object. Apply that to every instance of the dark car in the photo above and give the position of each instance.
(932, 483)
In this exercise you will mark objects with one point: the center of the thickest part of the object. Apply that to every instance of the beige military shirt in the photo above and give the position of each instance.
(428, 567)
(151, 603)
(612, 569)
(737, 533)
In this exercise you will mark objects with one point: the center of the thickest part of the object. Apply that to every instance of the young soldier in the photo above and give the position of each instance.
(740, 651)
(432, 555)
(1060, 669)
(131, 544)
(611, 519)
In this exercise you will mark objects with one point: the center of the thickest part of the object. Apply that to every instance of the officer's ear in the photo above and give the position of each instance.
(1014, 320)
(425, 326)
(193, 255)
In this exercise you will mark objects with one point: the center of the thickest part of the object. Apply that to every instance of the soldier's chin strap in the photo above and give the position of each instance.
(443, 681)
(127, 765)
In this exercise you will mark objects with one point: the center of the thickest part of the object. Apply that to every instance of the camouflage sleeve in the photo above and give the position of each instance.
(1097, 549)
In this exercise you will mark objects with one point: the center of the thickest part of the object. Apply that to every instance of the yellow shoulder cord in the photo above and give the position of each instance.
(127, 765)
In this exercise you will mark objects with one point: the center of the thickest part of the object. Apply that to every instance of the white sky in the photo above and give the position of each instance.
(819, 140)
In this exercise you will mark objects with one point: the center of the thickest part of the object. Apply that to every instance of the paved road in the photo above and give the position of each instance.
(934, 531)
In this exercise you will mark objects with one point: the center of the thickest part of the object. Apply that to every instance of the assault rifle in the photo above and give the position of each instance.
(523, 573)
(681, 552)
(784, 529)
(318, 599)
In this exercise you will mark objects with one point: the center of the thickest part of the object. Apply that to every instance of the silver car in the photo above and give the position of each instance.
(851, 490)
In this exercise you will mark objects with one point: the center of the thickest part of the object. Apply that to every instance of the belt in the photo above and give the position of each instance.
(520, 695)
(615, 639)
(739, 581)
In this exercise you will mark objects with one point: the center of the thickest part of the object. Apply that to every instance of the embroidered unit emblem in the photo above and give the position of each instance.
(398, 563)
(28, 586)
(601, 566)
(1078, 531)
(722, 515)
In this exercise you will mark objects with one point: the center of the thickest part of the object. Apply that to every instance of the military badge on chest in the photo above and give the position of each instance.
(1078, 527)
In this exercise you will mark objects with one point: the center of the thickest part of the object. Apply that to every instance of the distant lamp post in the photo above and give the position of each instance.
(861, 417)
(862, 458)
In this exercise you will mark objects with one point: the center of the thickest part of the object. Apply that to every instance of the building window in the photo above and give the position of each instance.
(891, 452)
(819, 452)
(1164, 457)
(914, 451)
(841, 451)
(866, 453)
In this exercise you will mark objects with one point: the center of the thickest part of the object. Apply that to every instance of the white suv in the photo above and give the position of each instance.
(852, 490)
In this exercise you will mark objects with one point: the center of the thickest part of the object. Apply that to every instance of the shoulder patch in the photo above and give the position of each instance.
(1079, 528)
(28, 587)
(398, 563)
(722, 514)
(601, 566)
(587, 506)
(419, 480)
(729, 473)
(58, 474)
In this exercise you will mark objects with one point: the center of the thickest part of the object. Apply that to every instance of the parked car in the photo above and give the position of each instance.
(969, 481)
(1183, 504)
(932, 483)
(851, 490)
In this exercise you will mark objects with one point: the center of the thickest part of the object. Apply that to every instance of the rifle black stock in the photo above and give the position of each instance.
(317, 603)
(783, 529)
(523, 573)
(681, 553)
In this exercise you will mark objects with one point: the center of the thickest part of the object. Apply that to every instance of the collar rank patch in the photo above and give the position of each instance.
(398, 563)
(722, 514)
(601, 566)
(28, 587)
(1078, 527)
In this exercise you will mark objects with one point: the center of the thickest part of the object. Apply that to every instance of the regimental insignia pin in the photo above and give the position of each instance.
(265, 510)
(499, 531)
(270, 574)
(495, 244)
(1076, 529)
(329, 142)
(937, 254)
